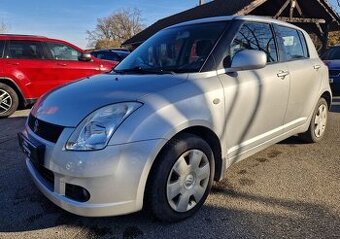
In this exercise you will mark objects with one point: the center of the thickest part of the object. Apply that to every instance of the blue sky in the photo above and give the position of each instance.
(69, 19)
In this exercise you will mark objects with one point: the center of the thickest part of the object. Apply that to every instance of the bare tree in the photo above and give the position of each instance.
(3, 27)
(113, 30)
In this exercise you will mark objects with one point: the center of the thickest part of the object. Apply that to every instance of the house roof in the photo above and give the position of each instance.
(312, 9)
(210, 9)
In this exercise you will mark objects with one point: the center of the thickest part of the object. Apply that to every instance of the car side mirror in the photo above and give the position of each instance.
(85, 57)
(248, 60)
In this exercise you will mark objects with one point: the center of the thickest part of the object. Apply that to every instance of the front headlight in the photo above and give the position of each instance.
(95, 131)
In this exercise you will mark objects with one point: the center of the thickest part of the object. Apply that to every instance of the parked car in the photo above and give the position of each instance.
(32, 65)
(174, 115)
(332, 59)
(111, 55)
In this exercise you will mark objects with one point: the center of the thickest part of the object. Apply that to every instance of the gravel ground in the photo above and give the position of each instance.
(290, 190)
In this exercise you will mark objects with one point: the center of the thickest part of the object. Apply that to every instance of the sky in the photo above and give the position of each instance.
(70, 19)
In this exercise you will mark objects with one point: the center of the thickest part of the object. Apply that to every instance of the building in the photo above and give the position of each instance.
(315, 16)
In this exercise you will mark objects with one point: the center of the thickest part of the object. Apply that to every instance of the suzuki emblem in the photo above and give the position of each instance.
(36, 125)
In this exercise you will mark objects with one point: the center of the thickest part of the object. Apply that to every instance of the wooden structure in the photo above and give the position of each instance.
(315, 16)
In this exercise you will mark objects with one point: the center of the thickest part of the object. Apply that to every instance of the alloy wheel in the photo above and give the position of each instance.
(6, 101)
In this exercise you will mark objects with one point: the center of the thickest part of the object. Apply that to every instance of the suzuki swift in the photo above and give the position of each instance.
(174, 115)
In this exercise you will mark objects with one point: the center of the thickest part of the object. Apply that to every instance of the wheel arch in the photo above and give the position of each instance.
(15, 87)
(206, 134)
(328, 97)
(211, 138)
(214, 142)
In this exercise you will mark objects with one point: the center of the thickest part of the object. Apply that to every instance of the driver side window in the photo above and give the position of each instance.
(60, 51)
(255, 36)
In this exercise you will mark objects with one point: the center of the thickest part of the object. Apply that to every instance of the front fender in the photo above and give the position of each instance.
(164, 114)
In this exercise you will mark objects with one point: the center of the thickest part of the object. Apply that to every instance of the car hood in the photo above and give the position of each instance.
(70, 104)
(333, 64)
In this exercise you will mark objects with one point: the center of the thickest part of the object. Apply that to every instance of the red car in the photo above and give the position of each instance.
(32, 65)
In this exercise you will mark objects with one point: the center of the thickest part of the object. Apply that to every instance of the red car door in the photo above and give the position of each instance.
(24, 63)
(2, 48)
(66, 65)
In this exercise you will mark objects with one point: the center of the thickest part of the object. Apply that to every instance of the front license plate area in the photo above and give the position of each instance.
(34, 151)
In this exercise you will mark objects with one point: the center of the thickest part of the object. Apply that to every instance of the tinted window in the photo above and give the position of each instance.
(24, 50)
(59, 51)
(2, 46)
(255, 36)
(106, 55)
(332, 54)
(122, 55)
(291, 43)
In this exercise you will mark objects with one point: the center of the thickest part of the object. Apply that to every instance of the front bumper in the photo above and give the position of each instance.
(115, 177)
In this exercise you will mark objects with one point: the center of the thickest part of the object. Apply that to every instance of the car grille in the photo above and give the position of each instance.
(334, 72)
(47, 131)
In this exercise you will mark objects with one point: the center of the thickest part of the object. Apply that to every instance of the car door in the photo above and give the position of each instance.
(66, 65)
(24, 61)
(256, 100)
(303, 70)
(2, 62)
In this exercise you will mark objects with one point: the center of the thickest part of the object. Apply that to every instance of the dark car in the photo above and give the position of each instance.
(332, 59)
(111, 54)
(30, 66)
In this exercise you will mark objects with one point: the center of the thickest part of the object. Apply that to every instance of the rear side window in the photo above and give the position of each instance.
(255, 36)
(24, 50)
(58, 51)
(293, 45)
(2, 47)
(304, 44)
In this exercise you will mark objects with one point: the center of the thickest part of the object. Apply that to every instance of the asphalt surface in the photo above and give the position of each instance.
(290, 190)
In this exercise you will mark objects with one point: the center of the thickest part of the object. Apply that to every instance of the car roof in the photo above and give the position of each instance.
(22, 37)
(35, 38)
(336, 46)
(230, 18)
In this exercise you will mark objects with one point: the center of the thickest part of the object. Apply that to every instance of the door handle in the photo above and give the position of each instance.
(282, 74)
(61, 64)
(316, 67)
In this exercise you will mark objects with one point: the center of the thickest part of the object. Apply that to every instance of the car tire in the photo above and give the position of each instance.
(180, 179)
(318, 124)
(9, 101)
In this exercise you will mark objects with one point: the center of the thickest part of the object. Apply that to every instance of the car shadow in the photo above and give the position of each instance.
(303, 219)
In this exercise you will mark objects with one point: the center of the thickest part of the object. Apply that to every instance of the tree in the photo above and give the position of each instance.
(113, 30)
(3, 27)
(334, 38)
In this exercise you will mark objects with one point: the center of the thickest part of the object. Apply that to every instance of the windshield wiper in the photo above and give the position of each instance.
(143, 71)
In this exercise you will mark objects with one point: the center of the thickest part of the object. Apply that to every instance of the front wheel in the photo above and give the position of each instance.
(318, 124)
(181, 179)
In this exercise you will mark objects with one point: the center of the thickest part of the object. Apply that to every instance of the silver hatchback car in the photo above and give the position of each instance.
(174, 115)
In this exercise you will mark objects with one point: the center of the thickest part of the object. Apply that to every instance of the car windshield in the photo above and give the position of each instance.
(177, 50)
(332, 54)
